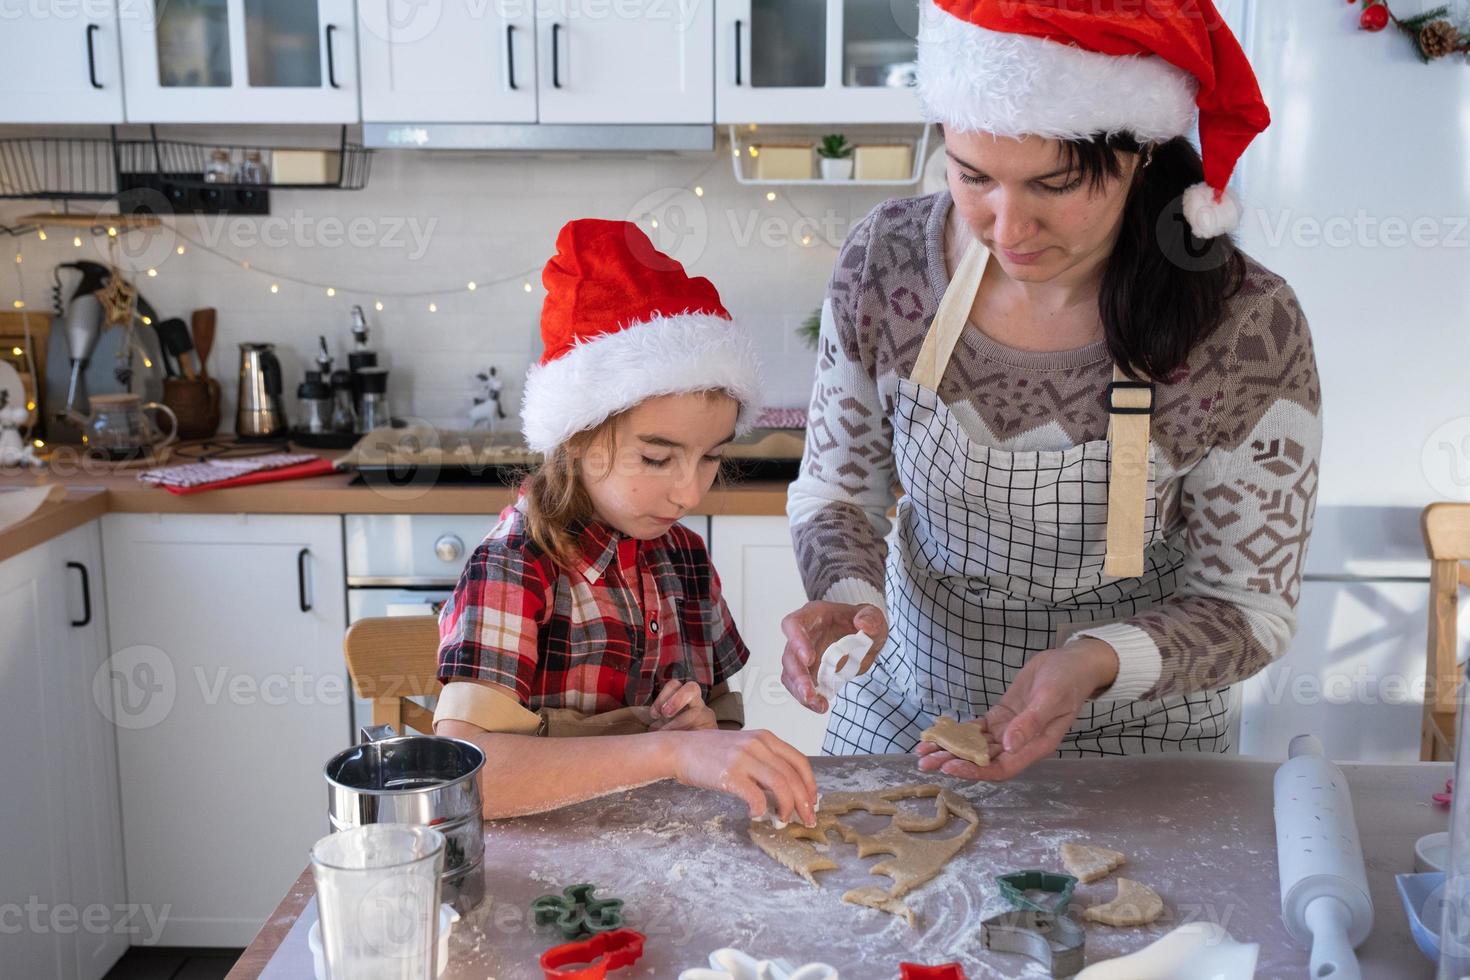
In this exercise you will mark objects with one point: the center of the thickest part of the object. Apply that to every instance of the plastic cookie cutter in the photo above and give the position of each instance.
(841, 662)
(1014, 886)
(576, 913)
(1443, 799)
(1054, 941)
(732, 964)
(592, 959)
(916, 971)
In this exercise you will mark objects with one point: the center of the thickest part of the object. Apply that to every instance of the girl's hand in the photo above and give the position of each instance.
(811, 630)
(1035, 713)
(680, 707)
(749, 765)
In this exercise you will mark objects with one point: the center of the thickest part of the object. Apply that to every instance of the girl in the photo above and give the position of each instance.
(589, 614)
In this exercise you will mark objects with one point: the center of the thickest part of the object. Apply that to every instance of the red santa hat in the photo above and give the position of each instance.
(623, 323)
(1070, 69)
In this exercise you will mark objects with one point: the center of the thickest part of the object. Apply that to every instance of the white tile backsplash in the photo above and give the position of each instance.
(432, 221)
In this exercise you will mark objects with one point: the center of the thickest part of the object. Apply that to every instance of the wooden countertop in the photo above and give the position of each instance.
(93, 491)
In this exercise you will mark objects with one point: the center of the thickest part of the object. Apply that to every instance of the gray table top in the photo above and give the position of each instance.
(1197, 829)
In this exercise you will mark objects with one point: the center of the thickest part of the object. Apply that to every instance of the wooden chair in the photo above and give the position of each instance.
(392, 659)
(1447, 540)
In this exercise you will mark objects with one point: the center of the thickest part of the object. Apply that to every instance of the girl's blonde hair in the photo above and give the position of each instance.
(557, 502)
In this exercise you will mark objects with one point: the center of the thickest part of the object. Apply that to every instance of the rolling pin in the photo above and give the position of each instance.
(1324, 888)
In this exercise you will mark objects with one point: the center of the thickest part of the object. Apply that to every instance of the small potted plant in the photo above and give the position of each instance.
(836, 154)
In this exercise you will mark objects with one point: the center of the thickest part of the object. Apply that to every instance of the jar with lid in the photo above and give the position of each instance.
(375, 413)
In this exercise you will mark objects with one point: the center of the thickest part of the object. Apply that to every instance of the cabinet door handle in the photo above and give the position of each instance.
(92, 29)
(86, 619)
(510, 55)
(740, 52)
(301, 579)
(556, 56)
(331, 58)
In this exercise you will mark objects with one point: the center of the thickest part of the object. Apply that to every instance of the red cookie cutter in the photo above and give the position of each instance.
(916, 971)
(592, 959)
(1444, 798)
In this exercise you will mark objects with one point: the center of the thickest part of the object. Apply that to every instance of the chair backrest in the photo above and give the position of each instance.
(1447, 541)
(392, 659)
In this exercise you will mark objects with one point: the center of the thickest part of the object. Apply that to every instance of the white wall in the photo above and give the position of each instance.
(483, 216)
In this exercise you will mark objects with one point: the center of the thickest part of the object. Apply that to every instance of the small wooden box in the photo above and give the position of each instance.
(783, 162)
(305, 167)
(894, 162)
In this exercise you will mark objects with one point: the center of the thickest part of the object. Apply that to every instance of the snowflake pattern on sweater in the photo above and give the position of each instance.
(1236, 432)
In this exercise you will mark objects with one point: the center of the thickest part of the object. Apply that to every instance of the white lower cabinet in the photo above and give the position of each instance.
(229, 693)
(757, 566)
(63, 910)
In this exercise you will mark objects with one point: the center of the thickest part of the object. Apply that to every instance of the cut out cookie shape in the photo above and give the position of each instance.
(966, 742)
(1135, 905)
(1089, 863)
(915, 860)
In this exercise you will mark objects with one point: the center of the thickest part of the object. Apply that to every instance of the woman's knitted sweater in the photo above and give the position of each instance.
(1236, 431)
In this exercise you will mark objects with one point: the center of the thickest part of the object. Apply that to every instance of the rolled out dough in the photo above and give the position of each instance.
(1135, 905)
(915, 860)
(966, 742)
(1089, 863)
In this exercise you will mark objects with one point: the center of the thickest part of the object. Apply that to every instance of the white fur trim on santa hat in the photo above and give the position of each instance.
(1207, 217)
(600, 377)
(976, 80)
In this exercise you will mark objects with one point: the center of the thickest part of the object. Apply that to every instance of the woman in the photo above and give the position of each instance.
(1104, 417)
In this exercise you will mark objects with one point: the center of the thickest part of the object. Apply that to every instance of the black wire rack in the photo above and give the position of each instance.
(100, 168)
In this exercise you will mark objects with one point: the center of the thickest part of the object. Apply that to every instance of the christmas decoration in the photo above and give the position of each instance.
(1433, 34)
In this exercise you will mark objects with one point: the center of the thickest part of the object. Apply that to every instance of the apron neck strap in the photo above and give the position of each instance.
(949, 322)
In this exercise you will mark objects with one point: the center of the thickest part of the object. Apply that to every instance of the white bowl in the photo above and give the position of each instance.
(1432, 852)
(447, 918)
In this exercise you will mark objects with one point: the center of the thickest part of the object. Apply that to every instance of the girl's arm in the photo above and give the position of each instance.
(527, 774)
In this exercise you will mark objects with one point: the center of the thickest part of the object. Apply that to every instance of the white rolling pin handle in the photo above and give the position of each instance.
(1305, 745)
(1328, 920)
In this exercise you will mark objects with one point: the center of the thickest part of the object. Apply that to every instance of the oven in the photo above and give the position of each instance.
(405, 565)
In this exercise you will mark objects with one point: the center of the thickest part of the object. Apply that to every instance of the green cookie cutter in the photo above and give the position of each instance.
(1014, 886)
(577, 914)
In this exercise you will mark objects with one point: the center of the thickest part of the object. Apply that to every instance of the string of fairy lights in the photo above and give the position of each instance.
(379, 299)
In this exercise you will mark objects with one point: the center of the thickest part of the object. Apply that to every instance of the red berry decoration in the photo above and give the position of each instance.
(1374, 18)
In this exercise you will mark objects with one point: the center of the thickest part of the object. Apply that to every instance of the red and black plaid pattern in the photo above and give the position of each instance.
(605, 635)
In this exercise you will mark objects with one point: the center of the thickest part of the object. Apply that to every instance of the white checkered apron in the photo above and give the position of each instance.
(995, 552)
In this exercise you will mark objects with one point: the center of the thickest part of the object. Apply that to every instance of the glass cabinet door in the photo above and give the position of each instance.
(283, 44)
(879, 46)
(193, 43)
(788, 43)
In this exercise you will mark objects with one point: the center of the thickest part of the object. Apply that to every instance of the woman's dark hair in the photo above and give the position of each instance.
(1164, 290)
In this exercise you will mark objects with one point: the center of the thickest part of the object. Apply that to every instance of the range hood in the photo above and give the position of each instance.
(589, 138)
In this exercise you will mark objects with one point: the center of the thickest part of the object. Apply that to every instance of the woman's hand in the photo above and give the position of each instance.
(680, 707)
(811, 630)
(749, 765)
(1035, 712)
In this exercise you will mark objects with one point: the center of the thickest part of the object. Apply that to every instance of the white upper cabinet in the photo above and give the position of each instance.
(631, 61)
(816, 61)
(240, 61)
(59, 62)
(459, 61)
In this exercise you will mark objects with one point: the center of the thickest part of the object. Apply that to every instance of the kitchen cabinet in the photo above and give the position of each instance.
(241, 61)
(60, 62)
(460, 61)
(639, 61)
(566, 62)
(757, 566)
(231, 693)
(61, 849)
(815, 61)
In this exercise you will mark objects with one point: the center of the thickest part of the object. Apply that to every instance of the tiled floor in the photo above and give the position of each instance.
(173, 963)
